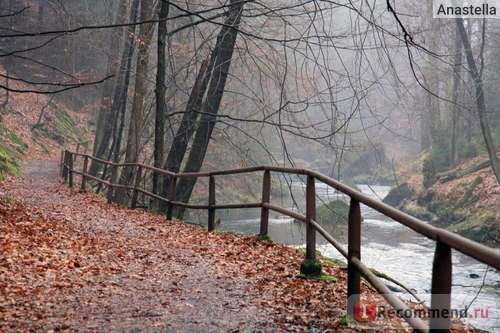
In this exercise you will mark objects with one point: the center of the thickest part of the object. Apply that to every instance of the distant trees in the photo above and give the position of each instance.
(108, 110)
(132, 144)
(38, 52)
(304, 82)
(455, 123)
(476, 74)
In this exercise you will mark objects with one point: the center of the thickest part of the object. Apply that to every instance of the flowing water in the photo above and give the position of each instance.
(389, 247)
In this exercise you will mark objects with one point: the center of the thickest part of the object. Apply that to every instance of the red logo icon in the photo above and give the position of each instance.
(365, 311)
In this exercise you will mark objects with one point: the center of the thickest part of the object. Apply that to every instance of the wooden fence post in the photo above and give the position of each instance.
(111, 182)
(84, 171)
(266, 195)
(171, 198)
(211, 203)
(353, 250)
(310, 216)
(65, 166)
(441, 288)
(70, 160)
(137, 183)
(61, 164)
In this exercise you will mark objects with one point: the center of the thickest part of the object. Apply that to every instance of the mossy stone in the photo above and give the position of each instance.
(332, 213)
(398, 194)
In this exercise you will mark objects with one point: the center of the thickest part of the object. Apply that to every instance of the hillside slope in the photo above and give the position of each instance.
(465, 200)
(37, 127)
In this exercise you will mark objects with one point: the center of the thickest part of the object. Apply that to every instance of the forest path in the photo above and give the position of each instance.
(71, 262)
(99, 267)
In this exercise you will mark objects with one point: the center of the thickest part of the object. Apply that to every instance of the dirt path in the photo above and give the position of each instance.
(129, 273)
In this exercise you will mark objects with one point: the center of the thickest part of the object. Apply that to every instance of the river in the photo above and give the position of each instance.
(389, 247)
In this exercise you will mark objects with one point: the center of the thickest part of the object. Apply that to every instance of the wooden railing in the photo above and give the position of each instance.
(445, 240)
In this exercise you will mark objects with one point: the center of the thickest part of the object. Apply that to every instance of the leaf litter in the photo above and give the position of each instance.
(72, 262)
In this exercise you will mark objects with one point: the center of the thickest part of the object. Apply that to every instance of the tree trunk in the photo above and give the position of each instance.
(161, 105)
(455, 117)
(119, 105)
(480, 99)
(431, 113)
(104, 124)
(186, 128)
(222, 60)
(136, 115)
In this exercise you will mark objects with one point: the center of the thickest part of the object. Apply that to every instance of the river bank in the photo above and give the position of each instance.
(387, 246)
(464, 200)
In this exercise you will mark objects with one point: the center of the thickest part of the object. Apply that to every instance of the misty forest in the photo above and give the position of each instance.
(378, 95)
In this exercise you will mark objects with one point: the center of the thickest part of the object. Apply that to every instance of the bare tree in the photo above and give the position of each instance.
(161, 106)
(136, 115)
(476, 74)
(220, 63)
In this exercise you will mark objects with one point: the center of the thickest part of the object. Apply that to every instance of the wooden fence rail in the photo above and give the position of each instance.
(445, 240)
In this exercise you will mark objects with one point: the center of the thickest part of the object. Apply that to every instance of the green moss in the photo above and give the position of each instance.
(60, 128)
(481, 226)
(418, 211)
(8, 161)
(446, 212)
(337, 262)
(311, 268)
(326, 261)
(468, 197)
(323, 277)
(15, 142)
(12, 147)
(64, 124)
(328, 278)
(264, 238)
(347, 319)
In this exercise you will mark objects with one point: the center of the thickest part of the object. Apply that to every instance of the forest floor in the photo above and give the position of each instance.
(72, 262)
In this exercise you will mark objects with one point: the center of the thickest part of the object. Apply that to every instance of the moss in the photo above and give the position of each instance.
(468, 197)
(264, 238)
(311, 268)
(337, 262)
(348, 319)
(8, 161)
(398, 194)
(418, 211)
(12, 147)
(60, 128)
(64, 124)
(481, 226)
(446, 212)
(323, 277)
(15, 142)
